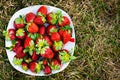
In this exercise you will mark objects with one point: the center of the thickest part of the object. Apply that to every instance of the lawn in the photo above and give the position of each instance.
(97, 28)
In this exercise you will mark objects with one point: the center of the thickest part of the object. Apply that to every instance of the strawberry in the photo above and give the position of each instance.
(40, 20)
(55, 36)
(17, 60)
(42, 30)
(20, 33)
(30, 17)
(51, 29)
(32, 28)
(72, 40)
(65, 28)
(17, 44)
(24, 66)
(66, 36)
(35, 56)
(48, 40)
(55, 65)
(11, 34)
(27, 41)
(44, 62)
(19, 52)
(42, 11)
(35, 67)
(64, 21)
(29, 45)
(52, 18)
(47, 70)
(19, 22)
(46, 52)
(61, 32)
(57, 45)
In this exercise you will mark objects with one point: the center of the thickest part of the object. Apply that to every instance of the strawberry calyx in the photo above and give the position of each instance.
(59, 16)
(58, 45)
(41, 46)
(37, 69)
(34, 36)
(55, 65)
(20, 32)
(52, 30)
(54, 18)
(43, 16)
(30, 48)
(65, 56)
(17, 61)
(20, 20)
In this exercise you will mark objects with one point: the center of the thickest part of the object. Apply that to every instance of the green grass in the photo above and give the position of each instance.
(97, 28)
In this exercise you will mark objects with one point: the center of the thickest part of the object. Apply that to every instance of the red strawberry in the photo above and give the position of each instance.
(19, 52)
(30, 17)
(24, 66)
(17, 60)
(42, 10)
(62, 29)
(17, 44)
(32, 28)
(66, 36)
(35, 67)
(48, 40)
(44, 62)
(55, 65)
(46, 52)
(52, 18)
(72, 40)
(11, 34)
(27, 42)
(35, 56)
(47, 70)
(51, 29)
(61, 32)
(64, 21)
(20, 33)
(55, 36)
(57, 45)
(42, 30)
(40, 20)
(19, 22)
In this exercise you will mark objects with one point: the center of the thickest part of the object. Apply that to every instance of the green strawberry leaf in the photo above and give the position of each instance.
(66, 28)
(72, 57)
(13, 42)
(5, 33)
(26, 50)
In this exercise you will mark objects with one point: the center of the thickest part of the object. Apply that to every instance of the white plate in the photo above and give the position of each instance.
(24, 11)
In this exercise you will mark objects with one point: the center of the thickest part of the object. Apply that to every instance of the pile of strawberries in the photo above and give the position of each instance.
(38, 40)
